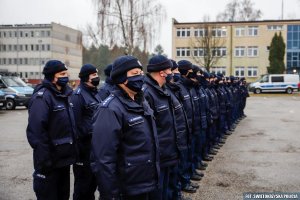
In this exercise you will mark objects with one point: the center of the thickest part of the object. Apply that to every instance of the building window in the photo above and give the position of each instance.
(183, 32)
(219, 51)
(15, 61)
(252, 71)
(32, 47)
(275, 27)
(199, 52)
(252, 31)
(252, 51)
(9, 47)
(48, 47)
(15, 47)
(21, 47)
(293, 48)
(48, 34)
(240, 31)
(42, 33)
(221, 70)
(239, 51)
(32, 33)
(4, 34)
(9, 61)
(21, 33)
(219, 32)
(26, 47)
(183, 52)
(37, 47)
(201, 32)
(240, 71)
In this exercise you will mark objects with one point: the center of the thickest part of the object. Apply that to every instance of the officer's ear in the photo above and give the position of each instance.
(162, 73)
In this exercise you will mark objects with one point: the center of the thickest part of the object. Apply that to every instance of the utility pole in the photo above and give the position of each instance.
(282, 6)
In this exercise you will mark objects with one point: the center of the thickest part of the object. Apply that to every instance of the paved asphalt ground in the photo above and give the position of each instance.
(262, 155)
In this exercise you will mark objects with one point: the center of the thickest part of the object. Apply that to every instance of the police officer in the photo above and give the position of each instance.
(159, 71)
(189, 80)
(244, 96)
(108, 86)
(50, 132)
(124, 143)
(185, 155)
(85, 100)
(182, 132)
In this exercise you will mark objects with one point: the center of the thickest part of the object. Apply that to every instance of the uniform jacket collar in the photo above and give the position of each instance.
(65, 92)
(153, 83)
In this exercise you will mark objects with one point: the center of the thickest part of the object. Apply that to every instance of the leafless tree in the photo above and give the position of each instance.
(127, 23)
(208, 45)
(240, 10)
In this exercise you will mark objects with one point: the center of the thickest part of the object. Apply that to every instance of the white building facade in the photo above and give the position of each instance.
(25, 48)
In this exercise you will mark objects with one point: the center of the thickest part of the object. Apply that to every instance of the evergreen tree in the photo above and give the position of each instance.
(276, 55)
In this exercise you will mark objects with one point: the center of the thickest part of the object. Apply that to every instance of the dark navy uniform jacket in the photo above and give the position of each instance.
(106, 89)
(182, 129)
(190, 86)
(86, 101)
(223, 99)
(160, 101)
(124, 147)
(202, 105)
(188, 105)
(51, 127)
(213, 102)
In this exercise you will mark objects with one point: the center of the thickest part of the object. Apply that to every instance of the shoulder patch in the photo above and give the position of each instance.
(41, 92)
(106, 101)
(77, 91)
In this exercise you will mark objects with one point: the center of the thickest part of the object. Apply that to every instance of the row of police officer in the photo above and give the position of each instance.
(150, 134)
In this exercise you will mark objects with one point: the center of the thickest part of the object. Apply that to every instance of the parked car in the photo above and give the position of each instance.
(276, 83)
(17, 93)
(2, 99)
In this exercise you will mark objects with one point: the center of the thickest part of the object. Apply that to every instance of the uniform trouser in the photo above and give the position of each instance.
(229, 119)
(85, 183)
(222, 128)
(212, 135)
(167, 189)
(52, 186)
(200, 140)
(202, 145)
(244, 101)
(183, 169)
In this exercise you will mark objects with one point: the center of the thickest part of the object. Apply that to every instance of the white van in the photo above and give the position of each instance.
(276, 83)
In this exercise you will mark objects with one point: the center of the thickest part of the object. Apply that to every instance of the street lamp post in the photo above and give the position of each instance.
(40, 60)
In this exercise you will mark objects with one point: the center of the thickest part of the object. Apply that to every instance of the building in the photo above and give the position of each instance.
(25, 48)
(240, 48)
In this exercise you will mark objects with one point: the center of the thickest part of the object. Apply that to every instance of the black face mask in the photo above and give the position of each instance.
(169, 77)
(135, 83)
(95, 81)
(62, 81)
(191, 75)
(176, 77)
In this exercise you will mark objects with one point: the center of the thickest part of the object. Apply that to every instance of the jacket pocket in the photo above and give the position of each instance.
(63, 148)
(139, 172)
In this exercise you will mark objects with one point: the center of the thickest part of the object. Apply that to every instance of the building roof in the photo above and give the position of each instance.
(290, 21)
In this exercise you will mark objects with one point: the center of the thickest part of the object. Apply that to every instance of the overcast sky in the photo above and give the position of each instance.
(77, 13)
